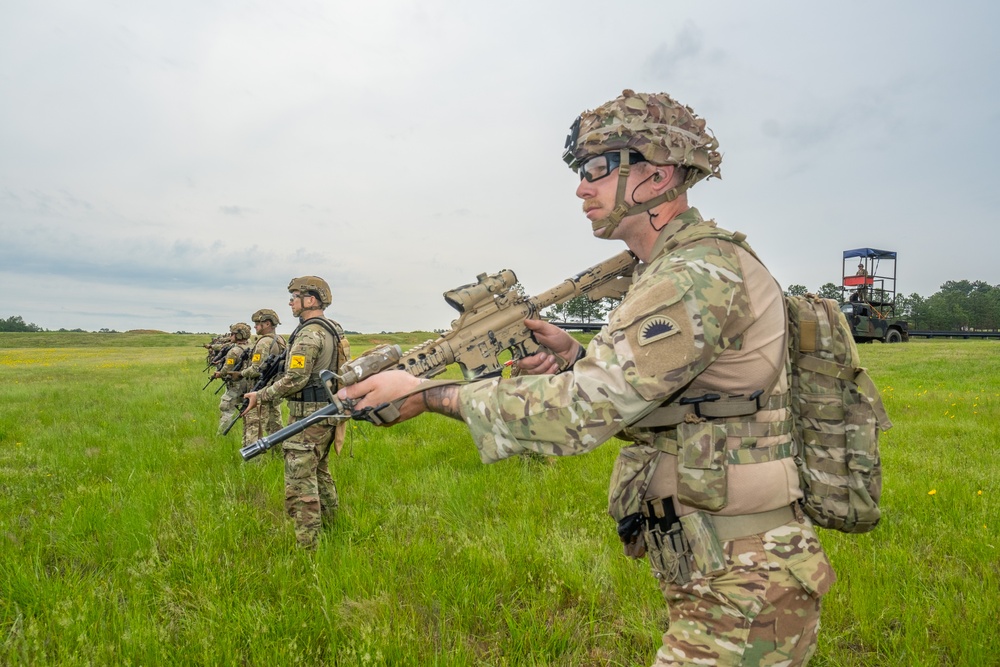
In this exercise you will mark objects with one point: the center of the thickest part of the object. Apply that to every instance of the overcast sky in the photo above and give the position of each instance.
(172, 165)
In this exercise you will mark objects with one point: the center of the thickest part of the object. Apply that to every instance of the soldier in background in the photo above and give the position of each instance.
(265, 418)
(862, 291)
(691, 370)
(317, 344)
(217, 343)
(236, 386)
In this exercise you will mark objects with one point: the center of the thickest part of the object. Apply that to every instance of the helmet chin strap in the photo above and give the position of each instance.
(610, 222)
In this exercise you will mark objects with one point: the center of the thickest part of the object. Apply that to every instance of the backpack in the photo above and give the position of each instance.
(837, 414)
(837, 411)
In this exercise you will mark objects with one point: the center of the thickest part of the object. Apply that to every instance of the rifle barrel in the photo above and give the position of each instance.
(260, 446)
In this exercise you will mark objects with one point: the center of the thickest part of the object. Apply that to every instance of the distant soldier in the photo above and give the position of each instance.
(862, 291)
(266, 417)
(236, 385)
(316, 344)
(217, 344)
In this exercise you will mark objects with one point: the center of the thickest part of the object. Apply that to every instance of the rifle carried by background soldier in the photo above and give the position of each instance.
(491, 322)
(218, 360)
(272, 366)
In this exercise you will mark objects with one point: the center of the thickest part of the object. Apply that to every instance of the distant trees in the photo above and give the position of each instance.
(17, 323)
(827, 291)
(581, 309)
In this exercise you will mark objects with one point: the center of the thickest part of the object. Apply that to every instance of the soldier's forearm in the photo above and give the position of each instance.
(443, 400)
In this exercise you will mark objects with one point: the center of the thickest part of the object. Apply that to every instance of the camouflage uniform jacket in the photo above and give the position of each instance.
(700, 317)
(265, 346)
(232, 362)
(311, 349)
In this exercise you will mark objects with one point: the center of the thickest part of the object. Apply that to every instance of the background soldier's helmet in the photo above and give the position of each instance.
(241, 329)
(655, 125)
(314, 285)
(265, 314)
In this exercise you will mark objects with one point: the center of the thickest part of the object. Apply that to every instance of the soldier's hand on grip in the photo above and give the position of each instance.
(386, 387)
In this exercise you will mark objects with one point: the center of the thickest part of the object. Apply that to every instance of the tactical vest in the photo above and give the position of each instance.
(708, 437)
(329, 359)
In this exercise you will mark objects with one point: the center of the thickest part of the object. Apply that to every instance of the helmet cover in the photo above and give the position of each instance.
(662, 130)
(241, 329)
(265, 314)
(312, 284)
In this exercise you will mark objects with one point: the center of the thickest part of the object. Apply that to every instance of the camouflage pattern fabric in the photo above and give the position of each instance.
(266, 417)
(310, 492)
(839, 414)
(310, 353)
(235, 387)
(663, 130)
(687, 308)
(263, 420)
(215, 345)
(764, 609)
(679, 316)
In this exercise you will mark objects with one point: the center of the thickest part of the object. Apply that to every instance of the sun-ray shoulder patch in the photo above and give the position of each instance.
(656, 327)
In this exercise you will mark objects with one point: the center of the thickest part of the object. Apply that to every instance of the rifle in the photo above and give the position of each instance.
(491, 321)
(220, 360)
(268, 370)
(217, 358)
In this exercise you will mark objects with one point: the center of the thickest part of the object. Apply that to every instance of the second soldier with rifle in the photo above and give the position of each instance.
(317, 344)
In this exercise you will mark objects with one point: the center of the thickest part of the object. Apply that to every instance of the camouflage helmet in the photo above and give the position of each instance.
(658, 127)
(241, 329)
(265, 314)
(312, 285)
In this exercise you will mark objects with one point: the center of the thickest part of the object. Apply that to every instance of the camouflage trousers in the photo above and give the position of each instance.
(763, 609)
(310, 493)
(262, 420)
(230, 403)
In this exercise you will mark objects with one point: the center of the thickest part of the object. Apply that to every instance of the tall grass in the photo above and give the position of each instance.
(130, 534)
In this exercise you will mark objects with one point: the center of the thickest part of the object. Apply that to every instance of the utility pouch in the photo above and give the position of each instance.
(701, 465)
(629, 479)
(709, 558)
(666, 544)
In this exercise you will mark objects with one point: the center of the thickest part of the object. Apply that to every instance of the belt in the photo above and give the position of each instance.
(726, 527)
(733, 527)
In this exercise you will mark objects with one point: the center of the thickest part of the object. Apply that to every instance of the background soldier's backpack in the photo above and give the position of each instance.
(837, 414)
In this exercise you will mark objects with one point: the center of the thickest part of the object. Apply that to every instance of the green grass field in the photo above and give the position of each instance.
(131, 535)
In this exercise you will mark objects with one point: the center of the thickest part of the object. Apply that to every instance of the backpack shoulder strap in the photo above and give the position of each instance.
(708, 230)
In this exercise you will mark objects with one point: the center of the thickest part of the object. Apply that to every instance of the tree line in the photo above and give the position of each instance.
(17, 323)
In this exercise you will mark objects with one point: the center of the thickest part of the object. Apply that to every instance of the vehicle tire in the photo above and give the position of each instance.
(894, 336)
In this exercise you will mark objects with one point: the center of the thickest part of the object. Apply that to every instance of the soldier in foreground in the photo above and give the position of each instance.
(266, 416)
(691, 370)
(236, 386)
(316, 344)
